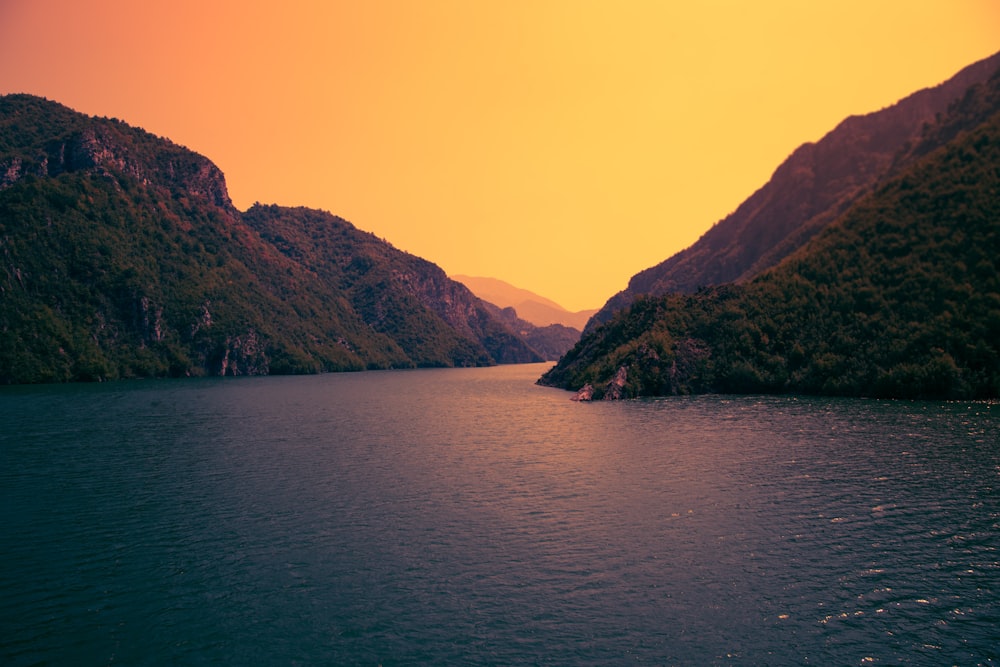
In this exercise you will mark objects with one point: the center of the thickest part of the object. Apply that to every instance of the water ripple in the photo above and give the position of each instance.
(470, 517)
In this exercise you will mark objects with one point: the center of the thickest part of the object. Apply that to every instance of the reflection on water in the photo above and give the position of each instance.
(471, 517)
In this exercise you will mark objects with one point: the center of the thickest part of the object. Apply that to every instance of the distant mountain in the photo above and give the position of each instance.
(811, 189)
(898, 297)
(551, 341)
(121, 255)
(545, 333)
(529, 306)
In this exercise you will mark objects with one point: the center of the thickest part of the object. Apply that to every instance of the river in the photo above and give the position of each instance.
(470, 517)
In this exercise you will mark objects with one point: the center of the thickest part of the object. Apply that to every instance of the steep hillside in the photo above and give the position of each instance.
(122, 256)
(811, 189)
(408, 298)
(540, 322)
(899, 298)
(551, 342)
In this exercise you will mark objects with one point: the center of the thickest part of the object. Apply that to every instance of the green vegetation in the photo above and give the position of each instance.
(396, 294)
(106, 281)
(817, 184)
(121, 256)
(899, 298)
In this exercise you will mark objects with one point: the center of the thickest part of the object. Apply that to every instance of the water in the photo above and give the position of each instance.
(468, 517)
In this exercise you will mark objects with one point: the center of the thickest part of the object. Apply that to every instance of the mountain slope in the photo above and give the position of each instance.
(551, 342)
(529, 306)
(900, 297)
(122, 256)
(538, 321)
(404, 296)
(811, 189)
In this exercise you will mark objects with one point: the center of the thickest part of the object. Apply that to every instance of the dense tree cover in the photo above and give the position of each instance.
(122, 256)
(899, 298)
(102, 281)
(436, 320)
(817, 184)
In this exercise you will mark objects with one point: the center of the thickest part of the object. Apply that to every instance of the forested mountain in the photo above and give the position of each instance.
(900, 297)
(551, 341)
(811, 189)
(122, 256)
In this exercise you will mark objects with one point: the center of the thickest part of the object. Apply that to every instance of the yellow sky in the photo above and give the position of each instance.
(560, 146)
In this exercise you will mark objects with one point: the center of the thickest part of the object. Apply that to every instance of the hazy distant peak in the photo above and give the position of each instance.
(502, 293)
(529, 306)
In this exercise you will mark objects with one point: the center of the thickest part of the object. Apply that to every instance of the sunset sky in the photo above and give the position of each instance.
(560, 146)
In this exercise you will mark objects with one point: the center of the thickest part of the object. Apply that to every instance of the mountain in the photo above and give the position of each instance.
(395, 293)
(529, 306)
(123, 256)
(544, 327)
(547, 327)
(898, 297)
(551, 341)
(807, 192)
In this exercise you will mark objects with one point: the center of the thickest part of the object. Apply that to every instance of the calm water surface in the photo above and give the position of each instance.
(469, 517)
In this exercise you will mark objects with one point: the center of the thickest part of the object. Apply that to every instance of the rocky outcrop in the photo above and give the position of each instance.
(113, 149)
(149, 320)
(11, 171)
(614, 390)
(243, 355)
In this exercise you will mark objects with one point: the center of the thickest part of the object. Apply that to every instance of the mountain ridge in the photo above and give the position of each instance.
(898, 297)
(530, 306)
(815, 185)
(123, 256)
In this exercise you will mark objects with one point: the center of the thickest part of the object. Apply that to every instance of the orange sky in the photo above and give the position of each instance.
(560, 146)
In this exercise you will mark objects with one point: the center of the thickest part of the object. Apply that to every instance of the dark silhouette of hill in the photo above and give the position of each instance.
(811, 189)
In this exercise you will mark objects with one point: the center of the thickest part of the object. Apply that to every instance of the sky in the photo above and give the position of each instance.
(561, 146)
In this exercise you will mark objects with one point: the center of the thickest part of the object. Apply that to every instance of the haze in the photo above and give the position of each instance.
(559, 146)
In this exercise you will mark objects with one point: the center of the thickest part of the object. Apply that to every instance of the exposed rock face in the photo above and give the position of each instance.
(814, 186)
(112, 148)
(243, 355)
(150, 320)
(615, 390)
(461, 309)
